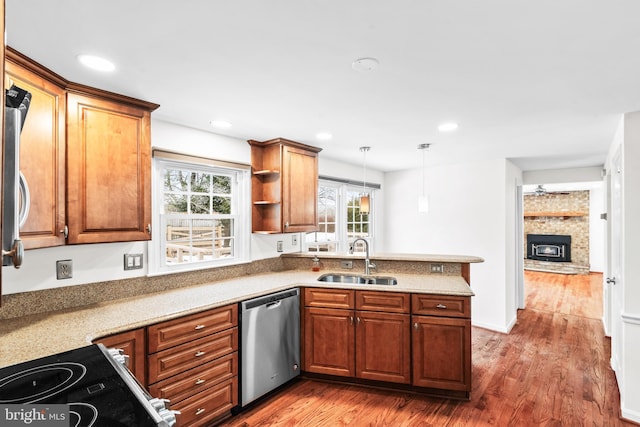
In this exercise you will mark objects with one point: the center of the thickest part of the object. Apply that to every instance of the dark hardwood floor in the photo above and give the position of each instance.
(551, 370)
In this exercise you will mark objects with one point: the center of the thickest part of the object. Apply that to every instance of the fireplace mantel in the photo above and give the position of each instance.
(555, 214)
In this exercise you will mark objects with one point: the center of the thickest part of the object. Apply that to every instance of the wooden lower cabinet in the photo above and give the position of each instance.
(373, 336)
(329, 339)
(370, 345)
(383, 347)
(442, 353)
(441, 342)
(132, 343)
(193, 362)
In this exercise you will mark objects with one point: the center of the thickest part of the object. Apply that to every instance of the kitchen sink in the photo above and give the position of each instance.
(354, 278)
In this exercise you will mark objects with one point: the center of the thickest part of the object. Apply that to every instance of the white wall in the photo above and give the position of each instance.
(471, 212)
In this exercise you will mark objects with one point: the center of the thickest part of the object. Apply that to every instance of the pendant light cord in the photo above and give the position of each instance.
(364, 174)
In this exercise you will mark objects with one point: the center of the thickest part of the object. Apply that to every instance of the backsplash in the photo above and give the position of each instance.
(554, 204)
(26, 303)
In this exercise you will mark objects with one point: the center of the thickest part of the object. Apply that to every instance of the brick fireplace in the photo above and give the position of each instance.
(558, 214)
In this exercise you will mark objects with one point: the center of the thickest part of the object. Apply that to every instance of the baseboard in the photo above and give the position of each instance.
(630, 415)
(494, 328)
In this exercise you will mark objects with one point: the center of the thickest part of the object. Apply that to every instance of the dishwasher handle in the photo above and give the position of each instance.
(270, 300)
(272, 305)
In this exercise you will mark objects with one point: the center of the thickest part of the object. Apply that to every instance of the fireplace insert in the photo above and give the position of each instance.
(549, 247)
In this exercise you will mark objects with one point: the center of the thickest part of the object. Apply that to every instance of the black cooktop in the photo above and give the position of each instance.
(83, 379)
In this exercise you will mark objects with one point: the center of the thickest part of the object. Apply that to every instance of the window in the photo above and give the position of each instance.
(202, 219)
(339, 218)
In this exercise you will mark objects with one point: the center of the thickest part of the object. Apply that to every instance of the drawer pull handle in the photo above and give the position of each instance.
(415, 326)
(199, 411)
(441, 306)
(200, 353)
(351, 320)
(200, 381)
(198, 327)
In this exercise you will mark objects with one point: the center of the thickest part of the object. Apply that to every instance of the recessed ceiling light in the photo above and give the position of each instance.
(220, 124)
(324, 136)
(447, 127)
(96, 63)
(365, 64)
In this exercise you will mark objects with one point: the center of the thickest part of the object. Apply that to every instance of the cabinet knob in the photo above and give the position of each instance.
(286, 224)
(65, 232)
(200, 353)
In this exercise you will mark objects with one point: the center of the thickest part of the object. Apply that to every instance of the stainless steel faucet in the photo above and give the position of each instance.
(368, 265)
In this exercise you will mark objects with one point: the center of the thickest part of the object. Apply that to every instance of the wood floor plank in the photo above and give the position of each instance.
(552, 369)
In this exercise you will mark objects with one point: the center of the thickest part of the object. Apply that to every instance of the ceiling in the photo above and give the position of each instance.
(543, 83)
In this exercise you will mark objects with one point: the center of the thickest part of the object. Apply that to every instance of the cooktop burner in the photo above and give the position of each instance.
(85, 380)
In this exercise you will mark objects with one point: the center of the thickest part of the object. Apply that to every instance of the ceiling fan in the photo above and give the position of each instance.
(541, 191)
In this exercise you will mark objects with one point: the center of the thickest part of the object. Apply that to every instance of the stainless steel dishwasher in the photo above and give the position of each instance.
(270, 347)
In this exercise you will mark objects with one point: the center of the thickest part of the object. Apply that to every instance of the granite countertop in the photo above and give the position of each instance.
(39, 335)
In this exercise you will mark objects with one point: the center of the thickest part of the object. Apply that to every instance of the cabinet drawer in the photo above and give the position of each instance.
(329, 298)
(178, 331)
(175, 360)
(195, 380)
(216, 402)
(441, 305)
(391, 302)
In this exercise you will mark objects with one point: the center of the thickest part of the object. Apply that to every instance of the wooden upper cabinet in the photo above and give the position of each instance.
(85, 154)
(284, 186)
(108, 170)
(42, 151)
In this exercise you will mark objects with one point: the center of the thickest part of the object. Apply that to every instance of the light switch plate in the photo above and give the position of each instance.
(279, 246)
(133, 261)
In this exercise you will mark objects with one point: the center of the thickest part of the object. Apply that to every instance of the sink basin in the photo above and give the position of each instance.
(353, 278)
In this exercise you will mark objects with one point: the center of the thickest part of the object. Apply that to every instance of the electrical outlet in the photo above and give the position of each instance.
(346, 264)
(294, 240)
(437, 268)
(64, 269)
(132, 261)
(279, 246)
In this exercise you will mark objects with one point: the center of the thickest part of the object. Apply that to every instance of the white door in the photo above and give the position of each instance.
(615, 279)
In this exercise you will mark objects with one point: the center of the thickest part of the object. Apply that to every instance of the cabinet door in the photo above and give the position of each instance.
(109, 169)
(133, 345)
(383, 347)
(42, 157)
(442, 353)
(299, 190)
(329, 339)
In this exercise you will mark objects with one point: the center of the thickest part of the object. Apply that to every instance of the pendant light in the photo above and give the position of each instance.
(423, 200)
(364, 198)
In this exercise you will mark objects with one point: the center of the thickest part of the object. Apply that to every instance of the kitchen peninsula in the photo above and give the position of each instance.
(424, 282)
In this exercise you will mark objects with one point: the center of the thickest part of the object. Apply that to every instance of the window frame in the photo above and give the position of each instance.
(240, 211)
(342, 241)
